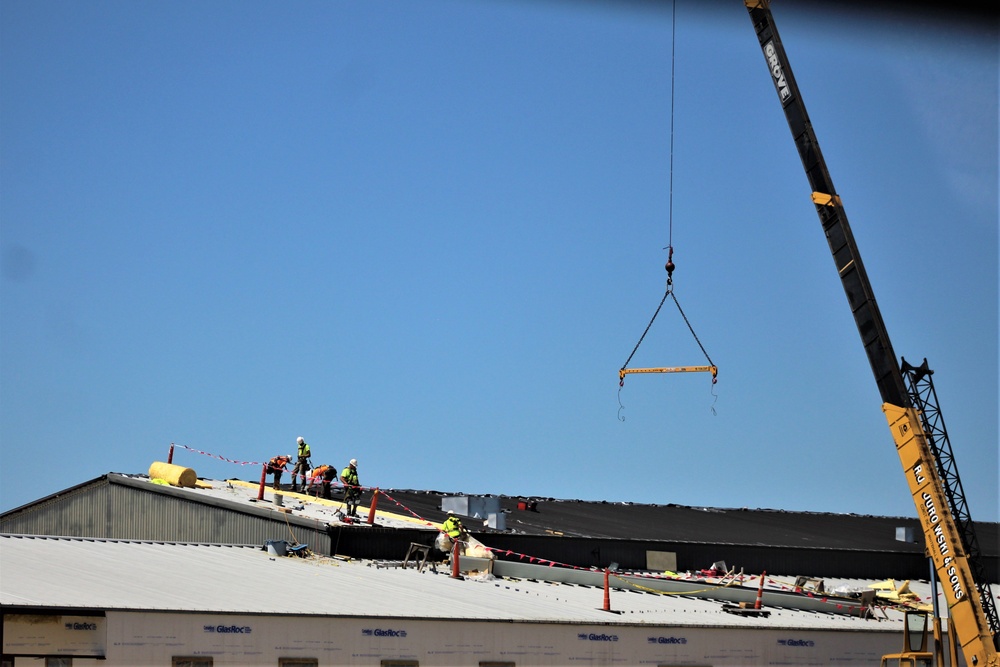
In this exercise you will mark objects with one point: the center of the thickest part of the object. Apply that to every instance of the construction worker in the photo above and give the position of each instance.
(455, 531)
(322, 475)
(275, 467)
(352, 487)
(301, 469)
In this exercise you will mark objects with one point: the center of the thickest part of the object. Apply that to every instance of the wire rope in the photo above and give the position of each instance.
(673, 65)
(634, 349)
(691, 329)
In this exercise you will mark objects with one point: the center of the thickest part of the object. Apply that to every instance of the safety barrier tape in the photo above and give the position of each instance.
(659, 592)
(535, 559)
(216, 456)
(307, 479)
(822, 599)
(635, 585)
(310, 481)
(411, 512)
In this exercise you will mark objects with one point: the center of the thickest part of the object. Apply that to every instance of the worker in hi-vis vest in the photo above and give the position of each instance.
(455, 531)
(321, 478)
(352, 487)
(300, 473)
(275, 467)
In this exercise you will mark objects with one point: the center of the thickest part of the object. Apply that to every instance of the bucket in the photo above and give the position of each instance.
(276, 547)
(279, 500)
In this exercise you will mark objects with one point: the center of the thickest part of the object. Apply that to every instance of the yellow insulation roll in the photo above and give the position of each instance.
(175, 475)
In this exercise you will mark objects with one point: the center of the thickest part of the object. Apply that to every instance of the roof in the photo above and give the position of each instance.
(235, 492)
(616, 520)
(681, 523)
(774, 540)
(92, 574)
(599, 519)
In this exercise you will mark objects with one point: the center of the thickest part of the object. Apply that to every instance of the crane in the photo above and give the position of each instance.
(909, 400)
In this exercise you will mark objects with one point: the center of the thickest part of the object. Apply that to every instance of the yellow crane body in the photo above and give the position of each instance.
(941, 535)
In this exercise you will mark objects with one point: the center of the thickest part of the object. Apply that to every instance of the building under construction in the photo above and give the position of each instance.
(127, 570)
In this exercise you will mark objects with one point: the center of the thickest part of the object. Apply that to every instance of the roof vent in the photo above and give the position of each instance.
(485, 508)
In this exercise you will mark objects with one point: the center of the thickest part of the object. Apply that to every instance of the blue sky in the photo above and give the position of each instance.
(427, 235)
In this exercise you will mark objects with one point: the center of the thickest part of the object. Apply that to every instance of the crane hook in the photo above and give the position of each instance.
(670, 266)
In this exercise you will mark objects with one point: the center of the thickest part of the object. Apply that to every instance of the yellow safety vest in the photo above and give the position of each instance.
(453, 526)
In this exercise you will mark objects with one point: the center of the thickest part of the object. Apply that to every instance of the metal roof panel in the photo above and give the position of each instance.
(86, 574)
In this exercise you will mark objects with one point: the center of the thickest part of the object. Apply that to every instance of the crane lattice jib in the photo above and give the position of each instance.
(920, 385)
(948, 530)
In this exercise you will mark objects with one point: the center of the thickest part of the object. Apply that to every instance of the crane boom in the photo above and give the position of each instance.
(909, 406)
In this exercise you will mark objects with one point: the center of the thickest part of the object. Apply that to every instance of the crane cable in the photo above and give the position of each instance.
(670, 293)
(670, 188)
(670, 266)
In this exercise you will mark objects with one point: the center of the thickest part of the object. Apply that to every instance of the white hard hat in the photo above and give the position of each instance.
(451, 512)
(300, 440)
(354, 462)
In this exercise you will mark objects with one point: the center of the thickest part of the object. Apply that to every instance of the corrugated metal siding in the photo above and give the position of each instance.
(77, 512)
(118, 511)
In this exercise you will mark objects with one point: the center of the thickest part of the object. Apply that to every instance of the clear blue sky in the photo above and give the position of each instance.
(427, 235)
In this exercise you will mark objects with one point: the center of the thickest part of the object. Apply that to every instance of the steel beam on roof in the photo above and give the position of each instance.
(700, 589)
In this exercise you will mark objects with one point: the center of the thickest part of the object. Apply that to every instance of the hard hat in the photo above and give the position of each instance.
(451, 513)
(288, 456)
(354, 462)
(300, 440)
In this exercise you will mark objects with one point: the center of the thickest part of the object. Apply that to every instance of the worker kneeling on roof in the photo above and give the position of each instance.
(276, 466)
(321, 478)
(455, 531)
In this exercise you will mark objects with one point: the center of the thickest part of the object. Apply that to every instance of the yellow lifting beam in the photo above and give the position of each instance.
(714, 370)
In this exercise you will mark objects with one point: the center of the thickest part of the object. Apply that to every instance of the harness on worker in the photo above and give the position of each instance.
(625, 370)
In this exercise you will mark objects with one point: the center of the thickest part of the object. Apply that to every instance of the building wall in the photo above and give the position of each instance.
(149, 638)
(117, 510)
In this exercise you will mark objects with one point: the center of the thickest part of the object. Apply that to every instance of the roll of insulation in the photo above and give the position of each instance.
(175, 475)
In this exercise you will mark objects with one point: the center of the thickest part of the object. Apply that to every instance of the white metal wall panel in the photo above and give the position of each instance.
(144, 638)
